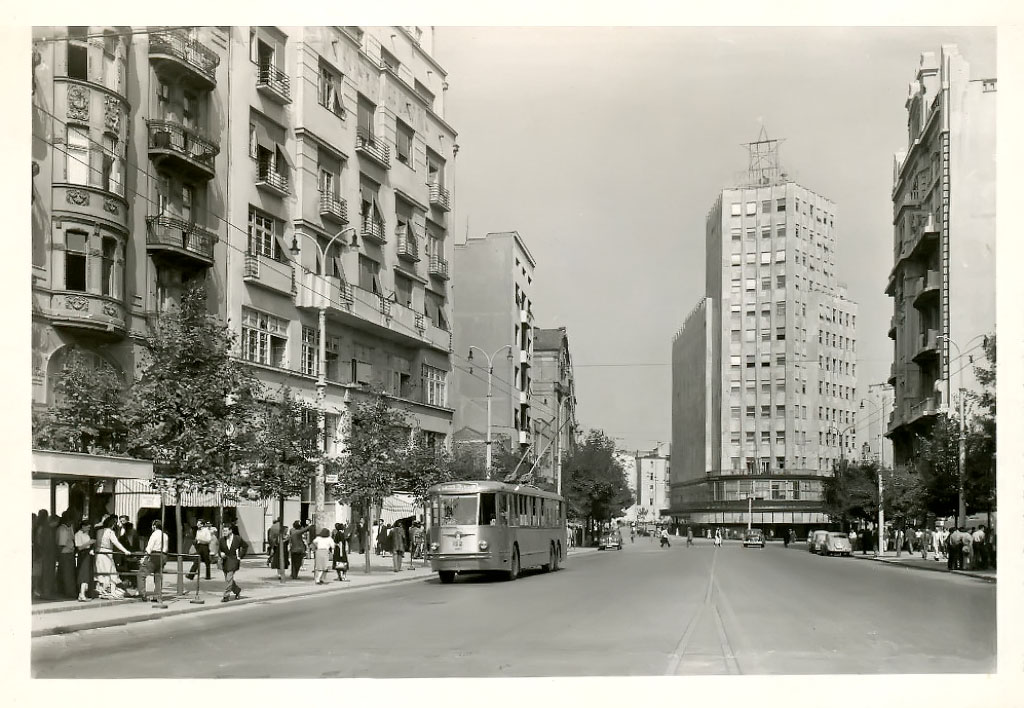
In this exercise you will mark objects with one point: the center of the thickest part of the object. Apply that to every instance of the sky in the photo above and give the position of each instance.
(605, 147)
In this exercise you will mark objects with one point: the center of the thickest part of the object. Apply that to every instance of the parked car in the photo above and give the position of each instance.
(837, 543)
(816, 541)
(610, 539)
(753, 537)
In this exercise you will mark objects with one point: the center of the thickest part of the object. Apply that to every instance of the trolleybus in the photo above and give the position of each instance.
(495, 527)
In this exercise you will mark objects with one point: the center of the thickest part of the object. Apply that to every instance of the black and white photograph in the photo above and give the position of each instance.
(491, 351)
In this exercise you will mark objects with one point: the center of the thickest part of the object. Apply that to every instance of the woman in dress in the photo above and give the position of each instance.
(322, 547)
(107, 579)
(83, 550)
(339, 561)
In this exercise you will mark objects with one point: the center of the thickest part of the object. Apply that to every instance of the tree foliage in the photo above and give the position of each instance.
(286, 447)
(595, 485)
(188, 406)
(851, 493)
(88, 414)
(938, 465)
(422, 467)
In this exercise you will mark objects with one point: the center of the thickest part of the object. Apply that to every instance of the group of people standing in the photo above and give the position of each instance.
(961, 548)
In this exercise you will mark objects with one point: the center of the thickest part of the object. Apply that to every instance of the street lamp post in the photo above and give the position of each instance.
(490, 377)
(321, 379)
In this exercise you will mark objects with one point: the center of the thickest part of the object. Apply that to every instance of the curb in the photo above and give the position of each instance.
(122, 621)
(928, 569)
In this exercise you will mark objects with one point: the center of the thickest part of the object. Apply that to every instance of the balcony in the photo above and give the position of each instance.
(270, 180)
(268, 273)
(274, 84)
(893, 326)
(373, 148)
(524, 437)
(333, 208)
(180, 240)
(440, 197)
(367, 311)
(408, 249)
(524, 398)
(524, 357)
(926, 240)
(526, 316)
(315, 291)
(928, 348)
(922, 409)
(438, 268)
(372, 230)
(892, 374)
(178, 58)
(181, 148)
(98, 314)
(928, 290)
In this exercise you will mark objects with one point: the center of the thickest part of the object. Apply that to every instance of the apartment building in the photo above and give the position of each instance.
(292, 170)
(493, 286)
(764, 399)
(943, 276)
(653, 471)
(872, 423)
(554, 402)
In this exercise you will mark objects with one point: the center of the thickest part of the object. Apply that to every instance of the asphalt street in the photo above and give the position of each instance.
(641, 611)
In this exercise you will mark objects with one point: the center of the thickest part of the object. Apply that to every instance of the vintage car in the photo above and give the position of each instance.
(816, 541)
(753, 537)
(611, 538)
(837, 543)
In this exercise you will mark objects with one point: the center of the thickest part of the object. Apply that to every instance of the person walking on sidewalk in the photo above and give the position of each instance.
(232, 550)
(396, 539)
(954, 550)
(689, 536)
(967, 543)
(297, 546)
(323, 548)
(84, 552)
(204, 535)
(980, 549)
(153, 563)
(65, 557)
(339, 560)
(273, 538)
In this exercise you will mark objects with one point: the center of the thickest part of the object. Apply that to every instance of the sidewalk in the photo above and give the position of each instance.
(258, 582)
(915, 561)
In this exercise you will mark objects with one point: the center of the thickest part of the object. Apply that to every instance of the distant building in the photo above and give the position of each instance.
(944, 216)
(553, 401)
(872, 420)
(493, 285)
(653, 478)
(764, 398)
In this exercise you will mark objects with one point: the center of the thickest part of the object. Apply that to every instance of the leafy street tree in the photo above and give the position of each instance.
(284, 453)
(375, 457)
(851, 494)
(980, 473)
(938, 466)
(595, 485)
(89, 412)
(423, 466)
(187, 407)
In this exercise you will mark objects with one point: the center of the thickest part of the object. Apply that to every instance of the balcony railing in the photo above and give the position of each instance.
(923, 407)
(180, 237)
(438, 267)
(201, 61)
(274, 83)
(333, 207)
(373, 147)
(440, 197)
(373, 230)
(268, 177)
(892, 374)
(408, 248)
(193, 151)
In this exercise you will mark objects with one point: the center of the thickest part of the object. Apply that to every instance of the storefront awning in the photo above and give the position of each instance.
(47, 464)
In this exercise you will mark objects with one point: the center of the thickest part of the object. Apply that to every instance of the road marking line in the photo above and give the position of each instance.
(676, 657)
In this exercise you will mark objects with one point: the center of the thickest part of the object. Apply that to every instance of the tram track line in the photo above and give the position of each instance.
(709, 610)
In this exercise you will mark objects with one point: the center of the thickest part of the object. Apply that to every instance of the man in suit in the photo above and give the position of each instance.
(204, 536)
(297, 546)
(397, 537)
(232, 550)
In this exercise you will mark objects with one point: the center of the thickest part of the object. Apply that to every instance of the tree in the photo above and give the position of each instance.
(422, 467)
(596, 488)
(284, 452)
(980, 472)
(187, 407)
(851, 493)
(88, 414)
(938, 466)
(375, 456)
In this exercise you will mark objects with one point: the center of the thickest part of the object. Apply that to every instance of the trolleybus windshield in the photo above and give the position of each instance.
(458, 509)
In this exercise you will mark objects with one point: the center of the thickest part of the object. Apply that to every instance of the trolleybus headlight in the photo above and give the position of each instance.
(483, 545)
(434, 547)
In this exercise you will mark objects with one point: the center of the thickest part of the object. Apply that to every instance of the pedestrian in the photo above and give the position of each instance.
(925, 543)
(899, 542)
(46, 549)
(689, 536)
(967, 546)
(980, 548)
(339, 561)
(323, 549)
(417, 539)
(232, 550)
(65, 541)
(107, 579)
(273, 538)
(383, 534)
(360, 536)
(204, 535)
(395, 542)
(718, 538)
(297, 546)
(84, 557)
(954, 550)
(153, 563)
(131, 561)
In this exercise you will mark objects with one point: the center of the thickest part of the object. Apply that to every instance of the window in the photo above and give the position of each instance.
(780, 256)
(111, 166)
(434, 310)
(77, 155)
(310, 351)
(364, 119)
(766, 258)
(263, 230)
(736, 234)
(329, 91)
(780, 309)
(403, 143)
(780, 204)
(751, 231)
(735, 209)
(75, 255)
(369, 275)
(108, 275)
(734, 412)
(780, 231)
(780, 437)
(750, 412)
(264, 337)
(734, 437)
(734, 361)
(766, 206)
(389, 60)
(766, 283)
(750, 284)
(780, 411)
(748, 437)
(766, 411)
(326, 183)
(766, 437)
(780, 334)
(751, 208)
(190, 110)
(780, 359)
(403, 290)
(766, 232)
(78, 57)
(187, 198)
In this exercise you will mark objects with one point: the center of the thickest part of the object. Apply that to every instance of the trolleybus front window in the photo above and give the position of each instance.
(488, 509)
(458, 510)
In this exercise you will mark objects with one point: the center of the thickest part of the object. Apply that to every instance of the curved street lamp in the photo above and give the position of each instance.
(490, 376)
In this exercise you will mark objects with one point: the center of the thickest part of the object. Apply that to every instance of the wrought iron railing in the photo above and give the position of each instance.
(373, 146)
(178, 44)
(267, 173)
(172, 231)
(440, 197)
(274, 79)
(185, 141)
(331, 205)
(438, 267)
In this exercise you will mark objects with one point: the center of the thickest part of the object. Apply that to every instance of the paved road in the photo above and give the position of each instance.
(642, 611)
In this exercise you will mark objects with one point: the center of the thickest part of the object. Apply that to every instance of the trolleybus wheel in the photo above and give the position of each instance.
(513, 572)
(558, 556)
(550, 565)
(446, 576)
